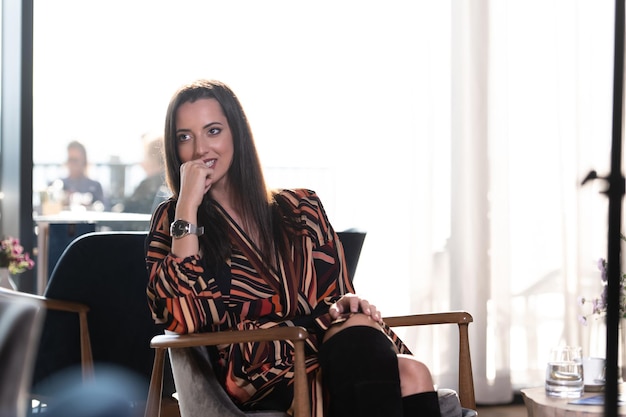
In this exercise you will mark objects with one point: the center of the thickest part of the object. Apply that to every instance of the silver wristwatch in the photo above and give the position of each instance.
(181, 228)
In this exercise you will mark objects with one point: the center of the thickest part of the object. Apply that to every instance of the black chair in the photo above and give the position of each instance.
(20, 325)
(105, 271)
(352, 241)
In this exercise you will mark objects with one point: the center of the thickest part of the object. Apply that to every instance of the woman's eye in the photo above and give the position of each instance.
(214, 131)
(183, 137)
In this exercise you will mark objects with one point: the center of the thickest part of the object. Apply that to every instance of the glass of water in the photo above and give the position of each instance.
(564, 373)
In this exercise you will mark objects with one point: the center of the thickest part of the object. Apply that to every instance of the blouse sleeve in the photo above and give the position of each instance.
(328, 291)
(180, 295)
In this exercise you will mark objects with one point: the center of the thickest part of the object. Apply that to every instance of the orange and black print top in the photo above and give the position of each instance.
(244, 293)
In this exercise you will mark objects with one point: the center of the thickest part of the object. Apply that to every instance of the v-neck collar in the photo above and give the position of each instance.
(239, 232)
(283, 279)
(251, 250)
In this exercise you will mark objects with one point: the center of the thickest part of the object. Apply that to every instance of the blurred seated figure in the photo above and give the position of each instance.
(112, 394)
(79, 188)
(152, 189)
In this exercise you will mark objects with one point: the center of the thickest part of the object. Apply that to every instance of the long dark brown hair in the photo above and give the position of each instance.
(250, 193)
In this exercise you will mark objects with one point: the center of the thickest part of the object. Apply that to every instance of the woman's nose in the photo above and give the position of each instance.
(200, 147)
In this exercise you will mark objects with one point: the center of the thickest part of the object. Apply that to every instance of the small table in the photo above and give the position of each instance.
(538, 404)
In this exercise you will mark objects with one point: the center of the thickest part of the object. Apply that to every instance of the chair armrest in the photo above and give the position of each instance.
(449, 317)
(165, 341)
(462, 319)
(297, 335)
(71, 307)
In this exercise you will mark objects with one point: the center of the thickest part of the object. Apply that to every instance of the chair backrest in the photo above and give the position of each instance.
(107, 272)
(20, 326)
(352, 241)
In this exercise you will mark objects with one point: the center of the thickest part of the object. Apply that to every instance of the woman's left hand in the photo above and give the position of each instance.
(352, 303)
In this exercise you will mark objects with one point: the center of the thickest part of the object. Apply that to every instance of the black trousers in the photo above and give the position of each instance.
(360, 374)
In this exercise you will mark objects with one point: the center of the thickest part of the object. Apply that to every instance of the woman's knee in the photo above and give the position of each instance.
(415, 376)
(358, 319)
(359, 366)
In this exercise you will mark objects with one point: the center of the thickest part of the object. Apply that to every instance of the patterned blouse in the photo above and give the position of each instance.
(247, 294)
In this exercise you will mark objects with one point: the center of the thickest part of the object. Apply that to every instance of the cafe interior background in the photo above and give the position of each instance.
(455, 133)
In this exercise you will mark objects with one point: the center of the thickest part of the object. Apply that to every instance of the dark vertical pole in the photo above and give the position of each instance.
(615, 194)
(16, 132)
(27, 236)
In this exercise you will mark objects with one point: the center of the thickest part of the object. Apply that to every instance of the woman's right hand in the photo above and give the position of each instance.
(352, 303)
(195, 182)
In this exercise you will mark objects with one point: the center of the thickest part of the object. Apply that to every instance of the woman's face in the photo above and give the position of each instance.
(202, 133)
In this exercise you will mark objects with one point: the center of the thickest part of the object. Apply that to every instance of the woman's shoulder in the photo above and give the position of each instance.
(304, 210)
(165, 206)
(163, 213)
(301, 202)
(299, 199)
(297, 195)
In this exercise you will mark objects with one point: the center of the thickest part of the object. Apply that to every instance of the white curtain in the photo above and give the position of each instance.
(530, 116)
(455, 133)
(534, 116)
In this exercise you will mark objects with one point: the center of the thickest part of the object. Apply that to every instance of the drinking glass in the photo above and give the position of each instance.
(564, 373)
(593, 369)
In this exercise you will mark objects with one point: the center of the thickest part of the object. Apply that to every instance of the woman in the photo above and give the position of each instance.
(225, 253)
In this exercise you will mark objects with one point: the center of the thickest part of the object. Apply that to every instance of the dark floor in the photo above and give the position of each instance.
(515, 409)
(511, 410)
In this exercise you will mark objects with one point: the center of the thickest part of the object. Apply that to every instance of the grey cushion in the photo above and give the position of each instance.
(468, 412)
(449, 403)
(199, 392)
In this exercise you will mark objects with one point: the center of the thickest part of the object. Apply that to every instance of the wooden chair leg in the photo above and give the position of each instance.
(153, 405)
(85, 347)
(466, 379)
(301, 390)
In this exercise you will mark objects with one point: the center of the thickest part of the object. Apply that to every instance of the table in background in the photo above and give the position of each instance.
(538, 404)
(74, 224)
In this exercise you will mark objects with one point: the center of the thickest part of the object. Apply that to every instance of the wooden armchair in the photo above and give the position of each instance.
(298, 335)
(81, 310)
(186, 357)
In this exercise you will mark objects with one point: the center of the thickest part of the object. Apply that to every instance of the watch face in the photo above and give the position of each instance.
(179, 228)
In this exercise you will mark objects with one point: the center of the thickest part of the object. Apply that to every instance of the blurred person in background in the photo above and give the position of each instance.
(79, 188)
(151, 190)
